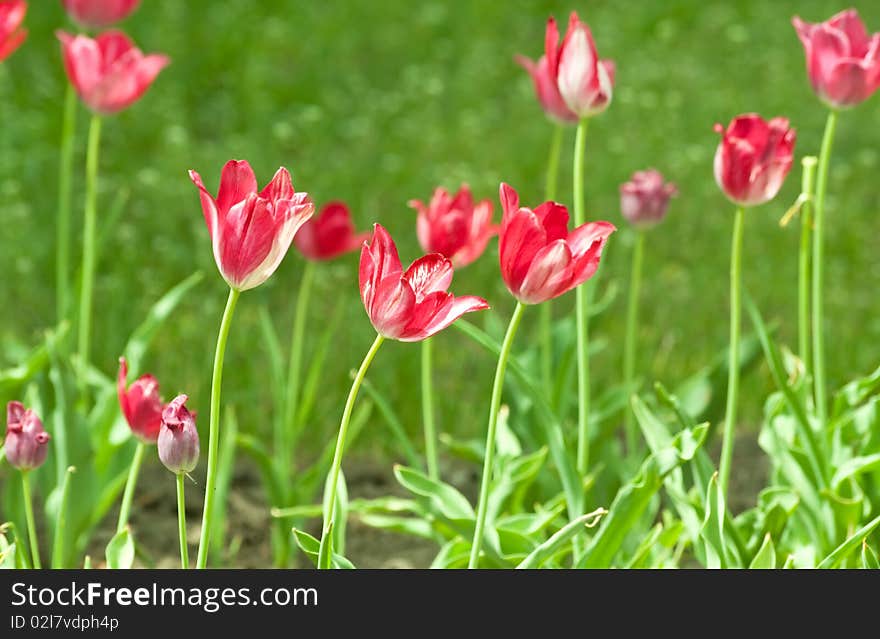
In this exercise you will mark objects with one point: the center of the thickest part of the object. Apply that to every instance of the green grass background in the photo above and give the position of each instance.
(378, 102)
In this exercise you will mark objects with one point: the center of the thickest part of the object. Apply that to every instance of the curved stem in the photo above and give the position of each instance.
(62, 248)
(130, 483)
(29, 515)
(181, 521)
(581, 317)
(819, 269)
(546, 309)
(340, 443)
(88, 259)
(214, 427)
(807, 185)
(631, 346)
(428, 412)
(733, 354)
(488, 458)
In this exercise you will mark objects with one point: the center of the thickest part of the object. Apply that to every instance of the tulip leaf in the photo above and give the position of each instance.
(869, 557)
(765, 558)
(713, 531)
(843, 551)
(120, 550)
(60, 540)
(412, 526)
(311, 547)
(13, 378)
(557, 541)
(854, 466)
(455, 553)
(447, 500)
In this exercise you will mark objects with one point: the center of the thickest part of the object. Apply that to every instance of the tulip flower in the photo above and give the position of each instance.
(454, 226)
(753, 158)
(179, 452)
(109, 73)
(96, 14)
(645, 198)
(329, 234)
(843, 62)
(26, 446)
(585, 82)
(12, 14)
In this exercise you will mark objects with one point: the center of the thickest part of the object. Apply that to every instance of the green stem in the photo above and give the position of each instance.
(88, 260)
(428, 412)
(214, 427)
(819, 269)
(546, 309)
(181, 521)
(630, 345)
(807, 184)
(340, 444)
(128, 495)
(488, 458)
(733, 354)
(29, 514)
(62, 257)
(581, 316)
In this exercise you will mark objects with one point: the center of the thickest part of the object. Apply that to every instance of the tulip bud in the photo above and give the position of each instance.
(645, 198)
(585, 82)
(95, 14)
(27, 443)
(140, 403)
(178, 440)
(12, 14)
(329, 234)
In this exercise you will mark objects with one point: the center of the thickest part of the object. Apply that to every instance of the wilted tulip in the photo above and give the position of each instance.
(328, 234)
(454, 226)
(109, 73)
(96, 14)
(409, 305)
(251, 231)
(27, 443)
(843, 62)
(140, 403)
(753, 158)
(540, 258)
(12, 14)
(178, 440)
(644, 200)
(585, 82)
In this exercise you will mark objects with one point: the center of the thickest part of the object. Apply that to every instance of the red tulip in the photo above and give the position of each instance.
(329, 234)
(12, 14)
(413, 305)
(109, 73)
(753, 158)
(96, 14)
(585, 82)
(540, 258)
(454, 226)
(250, 231)
(545, 85)
(645, 198)
(842, 61)
(140, 404)
(27, 443)
(178, 442)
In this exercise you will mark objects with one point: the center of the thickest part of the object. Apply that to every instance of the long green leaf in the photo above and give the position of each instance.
(445, 498)
(311, 547)
(120, 550)
(765, 558)
(869, 557)
(843, 550)
(556, 541)
(60, 541)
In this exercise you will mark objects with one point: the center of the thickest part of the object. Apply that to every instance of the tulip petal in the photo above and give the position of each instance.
(554, 218)
(379, 260)
(449, 309)
(849, 22)
(237, 181)
(329, 234)
(279, 187)
(14, 415)
(429, 274)
(522, 236)
(113, 45)
(392, 307)
(82, 61)
(121, 381)
(209, 205)
(509, 200)
(582, 239)
(547, 274)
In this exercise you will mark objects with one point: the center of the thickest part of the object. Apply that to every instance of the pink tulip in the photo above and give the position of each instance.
(140, 403)
(409, 305)
(27, 443)
(843, 62)
(753, 158)
(455, 227)
(585, 82)
(645, 198)
(250, 231)
(540, 258)
(545, 84)
(109, 73)
(329, 234)
(12, 14)
(178, 442)
(96, 14)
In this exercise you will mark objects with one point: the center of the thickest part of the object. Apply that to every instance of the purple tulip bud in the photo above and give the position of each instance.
(645, 198)
(27, 443)
(178, 439)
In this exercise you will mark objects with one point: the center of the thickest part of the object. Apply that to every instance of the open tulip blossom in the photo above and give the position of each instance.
(328, 234)
(585, 82)
(96, 14)
(12, 14)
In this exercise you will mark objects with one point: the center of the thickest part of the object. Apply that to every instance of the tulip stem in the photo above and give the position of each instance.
(181, 520)
(631, 346)
(546, 312)
(88, 259)
(819, 269)
(733, 353)
(489, 456)
(330, 502)
(581, 317)
(62, 256)
(807, 185)
(128, 496)
(428, 412)
(213, 428)
(29, 515)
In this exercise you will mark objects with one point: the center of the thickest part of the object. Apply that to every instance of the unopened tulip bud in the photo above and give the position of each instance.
(27, 443)
(644, 200)
(95, 14)
(178, 440)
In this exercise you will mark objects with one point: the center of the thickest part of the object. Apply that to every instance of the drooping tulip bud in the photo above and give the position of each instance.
(96, 14)
(178, 440)
(644, 200)
(140, 403)
(27, 443)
